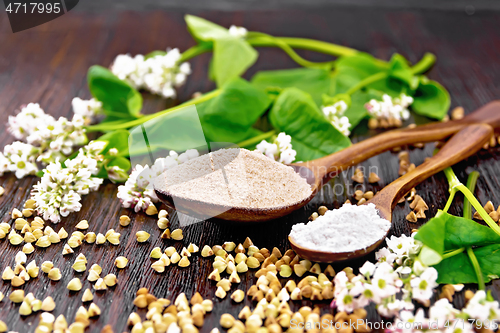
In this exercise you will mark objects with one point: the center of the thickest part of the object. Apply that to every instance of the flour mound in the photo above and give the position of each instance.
(346, 229)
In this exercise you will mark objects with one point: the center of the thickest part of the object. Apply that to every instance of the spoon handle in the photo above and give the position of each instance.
(329, 166)
(462, 145)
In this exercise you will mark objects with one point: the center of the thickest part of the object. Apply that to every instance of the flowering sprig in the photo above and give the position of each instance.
(138, 192)
(481, 311)
(390, 109)
(59, 191)
(335, 113)
(396, 272)
(280, 149)
(46, 139)
(159, 74)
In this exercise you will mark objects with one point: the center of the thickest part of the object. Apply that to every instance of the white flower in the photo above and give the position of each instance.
(159, 74)
(385, 280)
(287, 156)
(390, 108)
(138, 192)
(442, 312)
(280, 149)
(87, 109)
(58, 193)
(268, 149)
(392, 307)
(20, 158)
(238, 31)
(409, 322)
(335, 114)
(366, 293)
(384, 255)
(48, 139)
(419, 267)
(367, 269)
(423, 285)
(401, 246)
(27, 120)
(479, 307)
(344, 301)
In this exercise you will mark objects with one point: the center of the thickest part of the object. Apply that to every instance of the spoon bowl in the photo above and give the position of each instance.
(319, 171)
(462, 145)
(204, 210)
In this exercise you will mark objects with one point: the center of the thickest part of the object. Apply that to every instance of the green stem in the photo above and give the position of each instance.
(477, 206)
(477, 269)
(116, 126)
(453, 253)
(195, 51)
(369, 80)
(256, 139)
(271, 40)
(454, 183)
(319, 46)
(471, 185)
(453, 191)
(424, 64)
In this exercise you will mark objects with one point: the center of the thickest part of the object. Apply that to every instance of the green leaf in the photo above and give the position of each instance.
(364, 64)
(446, 232)
(232, 57)
(316, 82)
(230, 116)
(431, 99)
(432, 233)
(295, 113)
(399, 69)
(119, 99)
(205, 30)
(458, 269)
(117, 139)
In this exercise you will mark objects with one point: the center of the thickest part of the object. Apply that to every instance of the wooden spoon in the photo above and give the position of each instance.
(319, 171)
(462, 145)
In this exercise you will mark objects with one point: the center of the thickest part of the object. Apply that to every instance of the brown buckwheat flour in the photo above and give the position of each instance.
(237, 178)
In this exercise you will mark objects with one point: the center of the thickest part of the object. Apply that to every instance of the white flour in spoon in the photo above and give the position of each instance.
(346, 229)
(237, 178)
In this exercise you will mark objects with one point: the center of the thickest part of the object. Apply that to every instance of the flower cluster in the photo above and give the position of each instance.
(398, 278)
(46, 139)
(238, 31)
(397, 272)
(390, 108)
(279, 150)
(159, 74)
(138, 192)
(335, 114)
(59, 191)
(87, 109)
(443, 317)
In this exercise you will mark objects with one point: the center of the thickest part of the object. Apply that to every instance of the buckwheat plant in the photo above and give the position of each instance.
(42, 138)
(280, 149)
(159, 74)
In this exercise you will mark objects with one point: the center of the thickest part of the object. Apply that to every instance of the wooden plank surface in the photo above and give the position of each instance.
(48, 65)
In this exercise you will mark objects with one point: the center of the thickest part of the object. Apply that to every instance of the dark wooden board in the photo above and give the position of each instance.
(48, 64)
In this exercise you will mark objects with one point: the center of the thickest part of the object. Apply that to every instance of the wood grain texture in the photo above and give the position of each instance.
(48, 64)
